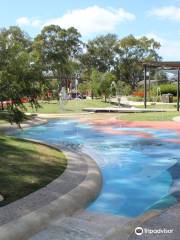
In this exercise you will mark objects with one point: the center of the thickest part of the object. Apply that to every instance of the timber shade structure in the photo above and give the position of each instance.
(161, 65)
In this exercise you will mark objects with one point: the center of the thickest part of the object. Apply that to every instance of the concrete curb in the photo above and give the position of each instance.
(8, 128)
(65, 205)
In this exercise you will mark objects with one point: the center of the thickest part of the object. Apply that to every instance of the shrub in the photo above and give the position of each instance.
(135, 99)
(84, 88)
(123, 88)
(165, 89)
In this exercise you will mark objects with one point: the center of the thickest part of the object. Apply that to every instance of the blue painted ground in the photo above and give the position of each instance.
(134, 168)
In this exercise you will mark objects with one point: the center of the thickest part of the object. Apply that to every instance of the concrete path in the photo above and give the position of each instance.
(81, 226)
(168, 220)
(124, 100)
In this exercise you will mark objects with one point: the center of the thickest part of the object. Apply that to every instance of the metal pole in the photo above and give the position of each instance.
(149, 95)
(178, 88)
(145, 87)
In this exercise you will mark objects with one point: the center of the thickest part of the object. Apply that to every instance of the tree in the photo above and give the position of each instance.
(132, 51)
(95, 83)
(100, 53)
(20, 72)
(57, 49)
(83, 88)
(105, 85)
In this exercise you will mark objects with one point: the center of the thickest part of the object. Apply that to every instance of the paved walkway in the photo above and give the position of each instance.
(94, 226)
(124, 100)
(81, 226)
(168, 220)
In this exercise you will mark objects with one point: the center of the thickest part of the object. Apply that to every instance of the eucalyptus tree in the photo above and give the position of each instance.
(106, 83)
(99, 56)
(58, 49)
(20, 71)
(100, 53)
(94, 83)
(132, 51)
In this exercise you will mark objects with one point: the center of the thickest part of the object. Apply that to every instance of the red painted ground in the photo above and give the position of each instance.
(107, 126)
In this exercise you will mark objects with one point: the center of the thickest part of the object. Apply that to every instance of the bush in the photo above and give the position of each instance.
(123, 88)
(105, 85)
(135, 99)
(165, 89)
(84, 88)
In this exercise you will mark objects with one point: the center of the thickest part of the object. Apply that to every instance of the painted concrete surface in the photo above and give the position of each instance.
(74, 189)
(84, 225)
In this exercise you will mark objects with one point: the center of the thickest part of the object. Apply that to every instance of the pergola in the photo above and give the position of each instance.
(161, 65)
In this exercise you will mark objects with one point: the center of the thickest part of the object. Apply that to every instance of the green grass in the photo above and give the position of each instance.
(159, 106)
(2, 121)
(76, 106)
(154, 116)
(71, 106)
(26, 167)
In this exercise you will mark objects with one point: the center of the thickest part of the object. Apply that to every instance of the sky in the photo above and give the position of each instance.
(158, 19)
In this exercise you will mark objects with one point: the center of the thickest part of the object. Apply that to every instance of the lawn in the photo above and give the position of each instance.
(2, 121)
(154, 116)
(158, 106)
(76, 106)
(26, 167)
(72, 106)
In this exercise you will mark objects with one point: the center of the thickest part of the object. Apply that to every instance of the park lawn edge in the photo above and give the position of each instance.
(26, 167)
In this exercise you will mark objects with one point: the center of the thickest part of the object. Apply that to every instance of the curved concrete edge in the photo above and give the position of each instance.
(36, 121)
(55, 116)
(78, 198)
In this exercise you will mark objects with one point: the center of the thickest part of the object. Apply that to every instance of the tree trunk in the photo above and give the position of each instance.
(92, 95)
(2, 106)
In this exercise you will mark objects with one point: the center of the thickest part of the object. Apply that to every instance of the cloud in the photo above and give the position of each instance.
(170, 49)
(169, 12)
(93, 20)
(24, 21)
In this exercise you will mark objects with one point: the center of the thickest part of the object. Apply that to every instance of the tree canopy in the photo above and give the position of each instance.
(28, 65)
(131, 52)
(57, 49)
(101, 53)
(20, 72)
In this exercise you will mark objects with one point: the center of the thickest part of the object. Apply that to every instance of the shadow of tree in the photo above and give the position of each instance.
(25, 167)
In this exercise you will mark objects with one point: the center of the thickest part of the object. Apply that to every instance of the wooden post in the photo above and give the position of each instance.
(145, 86)
(178, 88)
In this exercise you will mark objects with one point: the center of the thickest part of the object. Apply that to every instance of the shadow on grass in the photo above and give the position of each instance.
(26, 167)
